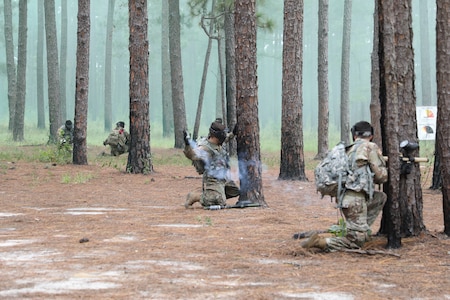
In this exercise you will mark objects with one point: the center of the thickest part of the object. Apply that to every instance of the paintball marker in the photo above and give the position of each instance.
(218, 207)
(407, 147)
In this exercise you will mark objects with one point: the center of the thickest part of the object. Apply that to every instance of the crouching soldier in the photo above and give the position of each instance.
(211, 160)
(118, 140)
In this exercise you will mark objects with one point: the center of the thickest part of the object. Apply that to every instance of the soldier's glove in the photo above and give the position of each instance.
(187, 137)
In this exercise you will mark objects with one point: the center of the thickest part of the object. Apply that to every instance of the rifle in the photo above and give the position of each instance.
(218, 207)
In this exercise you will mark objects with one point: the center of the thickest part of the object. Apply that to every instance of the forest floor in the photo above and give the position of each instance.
(85, 232)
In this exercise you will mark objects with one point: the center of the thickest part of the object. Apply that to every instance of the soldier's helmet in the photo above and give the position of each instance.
(69, 125)
(219, 131)
(362, 129)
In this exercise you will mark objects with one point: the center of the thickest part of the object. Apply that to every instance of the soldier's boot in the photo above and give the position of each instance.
(315, 241)
(191, 198)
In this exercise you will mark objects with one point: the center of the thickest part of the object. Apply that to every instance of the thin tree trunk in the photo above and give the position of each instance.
(166, 89)
(425, 61)
(82, 84)
(63, 60)
(205, 72)
(10, 64)
(176, 73)
(40, 66)
(230, 74)
(375, 109)
(108, 68)
(322, 77)
(345, 73)
(19, 112)
(221, 77)
(54, 104)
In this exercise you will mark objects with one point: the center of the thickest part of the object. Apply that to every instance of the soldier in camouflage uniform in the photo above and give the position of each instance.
(211, 160)
(361, 204)
(118, 140)
(65, 136)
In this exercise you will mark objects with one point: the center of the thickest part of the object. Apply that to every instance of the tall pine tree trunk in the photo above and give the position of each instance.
(345, 73)
(411, 202)
(40, 66)
(292, 160)
(166, 89)
(63, 61)
(54, 104)
(82, 84)
(19, 112)
(10, 63)
(248, 144)
(108, 69)
(205, 71)
(139, 156)
(176, 73)
(443, 112)
(230, 77)
(322, 77)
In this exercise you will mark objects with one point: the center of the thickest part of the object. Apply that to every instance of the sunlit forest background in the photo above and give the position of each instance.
(194, 43)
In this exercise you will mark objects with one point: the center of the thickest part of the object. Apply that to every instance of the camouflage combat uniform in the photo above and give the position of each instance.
(211, 161)
(361, 204)
(121, 146)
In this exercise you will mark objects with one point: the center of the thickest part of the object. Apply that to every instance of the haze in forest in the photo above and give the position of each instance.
(194, 43)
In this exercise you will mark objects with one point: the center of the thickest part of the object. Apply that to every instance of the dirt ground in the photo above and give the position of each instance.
(85, 232)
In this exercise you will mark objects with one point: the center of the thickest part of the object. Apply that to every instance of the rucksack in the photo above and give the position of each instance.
(116, 139)
(331, 173)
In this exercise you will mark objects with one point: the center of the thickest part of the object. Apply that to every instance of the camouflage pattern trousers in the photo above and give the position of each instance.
(359, 213)
(215, 191)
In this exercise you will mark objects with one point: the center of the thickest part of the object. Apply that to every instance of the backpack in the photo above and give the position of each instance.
(331, 173)
(116, 139)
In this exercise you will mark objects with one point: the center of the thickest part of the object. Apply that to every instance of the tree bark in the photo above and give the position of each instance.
(10, 64)
(21, 87)
(443, 101)
(82, 84)
(425, 61)
(322, 77)
(176, 73)
(375, 109)
(40, 66)
(63, 60)
(205, 71)
(389, 120)
(108, 66)
(292, 160)
(248, 144)
(230, 71)
(139, 156)
(54, 105)
(166, 88)
(411, 201)
(345, 73)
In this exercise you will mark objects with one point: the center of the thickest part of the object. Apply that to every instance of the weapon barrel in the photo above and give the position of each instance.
(415, 159)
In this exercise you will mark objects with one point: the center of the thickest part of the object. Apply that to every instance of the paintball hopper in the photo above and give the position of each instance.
(408, 146)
